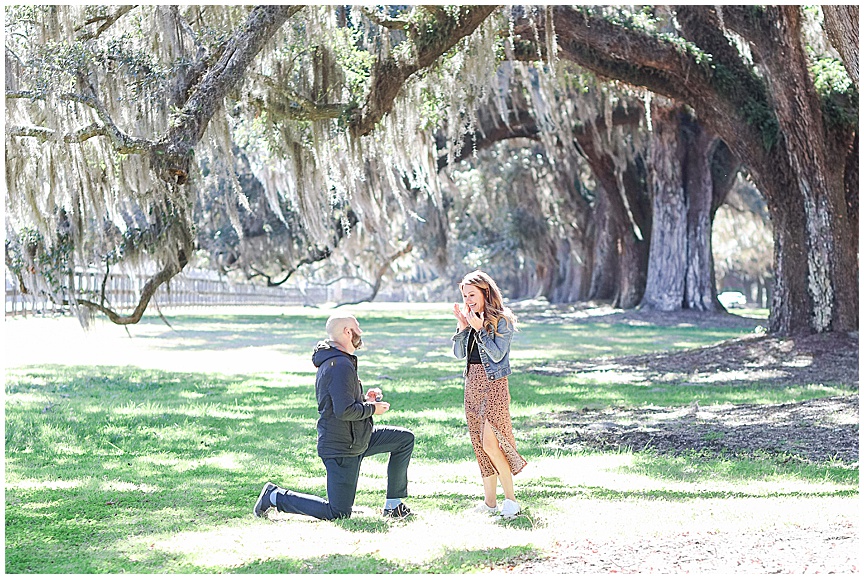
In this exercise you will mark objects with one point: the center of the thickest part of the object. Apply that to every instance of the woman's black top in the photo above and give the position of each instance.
(473, 349)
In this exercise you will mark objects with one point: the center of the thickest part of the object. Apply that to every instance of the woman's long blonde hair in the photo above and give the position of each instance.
(493, 302)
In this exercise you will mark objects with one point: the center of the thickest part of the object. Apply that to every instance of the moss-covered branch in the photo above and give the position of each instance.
(173, 152)
(433, 34)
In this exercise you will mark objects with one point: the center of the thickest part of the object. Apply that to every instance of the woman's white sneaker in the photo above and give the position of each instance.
(509, 509)
(482, 507)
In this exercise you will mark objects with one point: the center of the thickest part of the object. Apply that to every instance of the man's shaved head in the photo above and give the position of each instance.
(338, 322)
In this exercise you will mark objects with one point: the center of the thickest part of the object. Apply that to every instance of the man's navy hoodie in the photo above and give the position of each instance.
(344, 418)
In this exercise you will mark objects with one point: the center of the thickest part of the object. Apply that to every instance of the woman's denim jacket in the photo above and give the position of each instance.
(494, 349)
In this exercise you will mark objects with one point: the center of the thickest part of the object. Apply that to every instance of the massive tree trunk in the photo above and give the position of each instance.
(709, 172)
(622, 216)
(622, 241)
(688, 184)
(667, 261)
(806, 154)
(635, 235)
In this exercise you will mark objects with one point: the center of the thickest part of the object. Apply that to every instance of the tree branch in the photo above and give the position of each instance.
(173, 154)
(294, 106)
(147, 292)
(616, 52)
(841, 28)
(190, 75)
(380, 275)
(321, 255)
(40, 133)
(432, 39)
(43, 134)
(107, 22)
(679, 70)
(123, 143)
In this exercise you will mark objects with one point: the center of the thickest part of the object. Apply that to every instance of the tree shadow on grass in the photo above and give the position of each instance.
(453, 561)
(813, 431)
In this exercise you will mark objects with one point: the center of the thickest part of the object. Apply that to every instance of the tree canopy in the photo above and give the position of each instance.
(259, 139)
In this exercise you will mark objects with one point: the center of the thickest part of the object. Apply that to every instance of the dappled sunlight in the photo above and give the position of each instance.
(607, 374)
(568, 497)
(106, 344)
(432, 415)
(626, 475)
(275, 417)
(27, 399)
(164, 466)
(53, 485)
(630, 519)
(528, 354)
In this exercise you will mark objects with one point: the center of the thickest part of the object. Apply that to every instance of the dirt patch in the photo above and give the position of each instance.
(831, 548)
(818, 359)
(817, 430)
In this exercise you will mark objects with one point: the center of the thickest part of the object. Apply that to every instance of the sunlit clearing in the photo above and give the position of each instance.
(297, 537)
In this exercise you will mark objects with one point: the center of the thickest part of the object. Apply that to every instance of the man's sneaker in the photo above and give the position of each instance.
(263, 506)
(509, 509)
(400, 511)
(482, 507)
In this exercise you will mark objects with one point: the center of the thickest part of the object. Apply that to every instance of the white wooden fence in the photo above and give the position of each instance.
(189, 289)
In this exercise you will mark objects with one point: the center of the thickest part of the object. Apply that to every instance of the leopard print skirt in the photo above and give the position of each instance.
(489, 401)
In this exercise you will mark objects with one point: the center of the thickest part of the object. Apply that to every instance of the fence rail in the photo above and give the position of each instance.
(191, 289)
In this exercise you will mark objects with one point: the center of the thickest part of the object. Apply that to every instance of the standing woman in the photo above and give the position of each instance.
(484, 330)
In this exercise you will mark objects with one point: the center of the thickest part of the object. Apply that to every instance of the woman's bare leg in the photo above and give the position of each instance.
(490, 490)
(499, 461)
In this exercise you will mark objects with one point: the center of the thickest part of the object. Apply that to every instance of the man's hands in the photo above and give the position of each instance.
(374, 395)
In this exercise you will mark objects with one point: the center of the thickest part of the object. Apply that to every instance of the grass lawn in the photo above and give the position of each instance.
(143, 452)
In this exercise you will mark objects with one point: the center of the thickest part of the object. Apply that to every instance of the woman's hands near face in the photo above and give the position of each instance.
(460, 313)
(476, 319)
(465, 317)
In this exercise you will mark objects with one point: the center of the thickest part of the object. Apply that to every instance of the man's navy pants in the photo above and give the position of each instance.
(343, 473)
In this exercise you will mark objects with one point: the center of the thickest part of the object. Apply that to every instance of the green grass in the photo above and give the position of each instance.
(114, 467)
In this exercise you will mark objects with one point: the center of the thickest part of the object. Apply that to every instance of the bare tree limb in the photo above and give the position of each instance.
(147, 292)
(40, 95)
(44, 134)
(122, 142)
(380, 275)
(40, 133)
